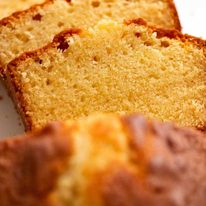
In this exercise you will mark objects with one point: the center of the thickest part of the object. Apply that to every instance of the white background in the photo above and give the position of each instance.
(192, 15)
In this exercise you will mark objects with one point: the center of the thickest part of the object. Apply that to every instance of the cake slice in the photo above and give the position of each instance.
(33, 28)
(114, 67)
(104, 160)
(7, 7)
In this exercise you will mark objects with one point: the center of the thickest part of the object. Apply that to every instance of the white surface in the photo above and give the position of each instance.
(10, 122)
(192, 15)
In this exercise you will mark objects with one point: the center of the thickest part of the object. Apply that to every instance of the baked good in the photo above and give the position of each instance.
(7, 7)
(33, 28)
(113, 67)
(31, 164)
(104, 160)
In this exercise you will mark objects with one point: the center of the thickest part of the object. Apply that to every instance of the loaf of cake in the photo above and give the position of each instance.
(104, 160)
(113, 67)
(33, 28)
(7, 7)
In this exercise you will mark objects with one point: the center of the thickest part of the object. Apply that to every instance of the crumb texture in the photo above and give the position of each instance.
(162, 78)
(36, 27)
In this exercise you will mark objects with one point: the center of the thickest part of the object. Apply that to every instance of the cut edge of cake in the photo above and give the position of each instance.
(60, 42)
(11, 83)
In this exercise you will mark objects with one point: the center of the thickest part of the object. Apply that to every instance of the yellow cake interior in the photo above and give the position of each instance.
(34, 29)
(116, 68)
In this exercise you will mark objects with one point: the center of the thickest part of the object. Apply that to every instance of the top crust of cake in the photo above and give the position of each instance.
(30, 165)
(104, 160)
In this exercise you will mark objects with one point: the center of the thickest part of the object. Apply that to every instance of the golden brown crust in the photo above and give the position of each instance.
(162, 165)
(169, 33)
(30, 166)
(116, 186)
(165, 165)
(15, 92)
(175, 15)
(19, 14)
(203, 129)
(167, 154)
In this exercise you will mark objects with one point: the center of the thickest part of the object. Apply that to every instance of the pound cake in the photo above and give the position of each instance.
(7, 7)
(35, 27)
(113, 67)
(104, 160)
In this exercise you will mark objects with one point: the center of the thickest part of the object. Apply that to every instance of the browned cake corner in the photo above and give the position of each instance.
(105, 160)
(169, 33)
(31, 164)
(175, 15)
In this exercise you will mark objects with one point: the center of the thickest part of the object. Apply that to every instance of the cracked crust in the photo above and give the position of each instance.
(160, 169)
(30, 166)
(164, 164)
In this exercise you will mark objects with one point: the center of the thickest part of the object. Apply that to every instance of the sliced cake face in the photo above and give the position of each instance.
(7, 7)
(35, 27)
(104, 160)
(112, 68)
(31, 29)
